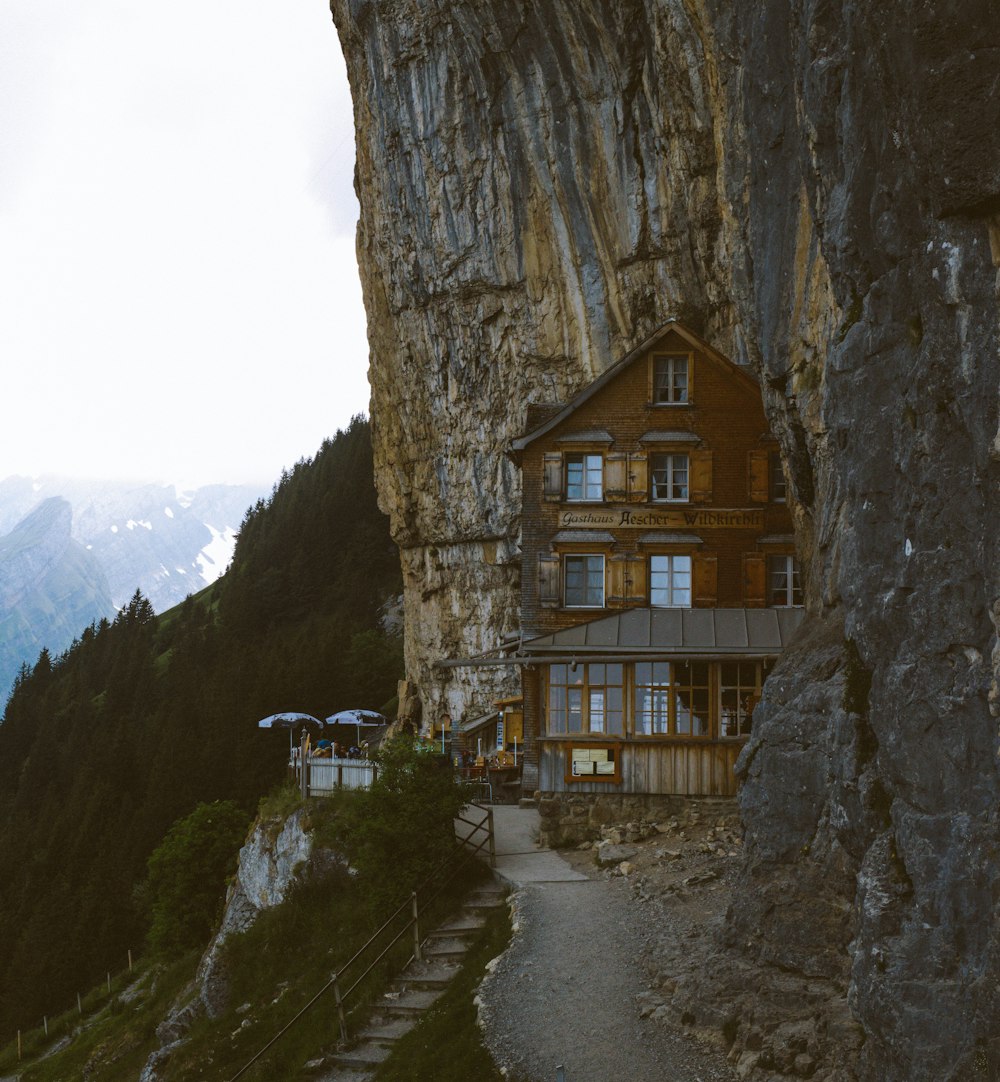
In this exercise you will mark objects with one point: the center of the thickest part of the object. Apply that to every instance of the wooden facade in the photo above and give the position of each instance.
(658, 489)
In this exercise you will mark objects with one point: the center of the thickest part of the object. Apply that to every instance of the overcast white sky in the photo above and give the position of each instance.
(179, 297)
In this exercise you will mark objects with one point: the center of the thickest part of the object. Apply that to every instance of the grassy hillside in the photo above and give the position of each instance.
(102, 749)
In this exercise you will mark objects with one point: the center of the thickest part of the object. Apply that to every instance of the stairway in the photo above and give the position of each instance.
(411, 993)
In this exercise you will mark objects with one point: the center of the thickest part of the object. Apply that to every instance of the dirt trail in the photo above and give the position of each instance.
(572, 988)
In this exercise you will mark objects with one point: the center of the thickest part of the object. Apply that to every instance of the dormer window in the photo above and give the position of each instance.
(671, 379)
(584, 477)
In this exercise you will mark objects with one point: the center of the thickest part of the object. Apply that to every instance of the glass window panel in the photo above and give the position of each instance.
(614, 674)
(615, 711)
(557, 709)
(595, 674)
(597, 710)
(584, 581)
(729, 716)
(643, 672)
(699, 674)
(670, 379)
(557, 674)
(574, 704)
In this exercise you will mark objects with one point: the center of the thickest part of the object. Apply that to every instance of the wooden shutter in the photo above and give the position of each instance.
(549, 567)
(616, 477)
(754, 580)
(635, 580)
(758, 473)
(638, 477)
(690, 378)
(617, 569)
(705, 579)
(552, 485)
(701, 477)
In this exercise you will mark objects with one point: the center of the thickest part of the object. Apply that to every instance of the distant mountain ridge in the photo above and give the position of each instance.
(51, 588)
(146, 536)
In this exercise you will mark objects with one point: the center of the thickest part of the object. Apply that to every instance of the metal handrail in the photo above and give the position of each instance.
(464, 851)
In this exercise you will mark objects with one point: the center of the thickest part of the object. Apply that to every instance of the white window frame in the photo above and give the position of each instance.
(672, 467)
(672, 588)
(673, 365)
(783, 581)
(583, 604)
(777, 484)
(591, 463)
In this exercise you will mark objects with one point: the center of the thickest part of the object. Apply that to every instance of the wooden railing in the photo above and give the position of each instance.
(406, 920)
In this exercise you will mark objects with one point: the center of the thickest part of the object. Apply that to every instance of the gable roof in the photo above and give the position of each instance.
(560, 413)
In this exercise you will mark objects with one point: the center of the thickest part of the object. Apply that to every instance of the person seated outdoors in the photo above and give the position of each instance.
(324, 750)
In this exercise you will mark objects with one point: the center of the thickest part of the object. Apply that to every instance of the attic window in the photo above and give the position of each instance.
(671, 379)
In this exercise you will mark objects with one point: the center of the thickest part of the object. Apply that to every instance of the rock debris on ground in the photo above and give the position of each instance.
(579, 986)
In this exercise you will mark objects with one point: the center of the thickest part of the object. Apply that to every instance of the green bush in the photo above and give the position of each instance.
(398, 832)
(186, 885)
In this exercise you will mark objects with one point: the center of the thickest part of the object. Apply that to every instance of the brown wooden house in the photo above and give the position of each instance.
(659, 577)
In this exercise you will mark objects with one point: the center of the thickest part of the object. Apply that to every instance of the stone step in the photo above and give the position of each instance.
(397, 1004)
(446, 950)
(424, 976)
(474, 909)
(389, 1031)
(344, 1073)
(462, 926)
(364, 1055)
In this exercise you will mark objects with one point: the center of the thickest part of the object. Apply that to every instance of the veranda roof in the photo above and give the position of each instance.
(746, 632)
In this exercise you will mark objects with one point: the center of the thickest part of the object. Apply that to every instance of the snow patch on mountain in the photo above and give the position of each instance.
(214, 558)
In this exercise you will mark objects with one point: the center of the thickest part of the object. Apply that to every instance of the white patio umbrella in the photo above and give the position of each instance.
(371, 718)
(291, 720)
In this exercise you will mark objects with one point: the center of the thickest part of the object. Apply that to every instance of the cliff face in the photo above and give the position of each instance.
(816, 189)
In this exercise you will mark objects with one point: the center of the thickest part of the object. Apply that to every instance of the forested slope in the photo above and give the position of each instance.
(104, 747)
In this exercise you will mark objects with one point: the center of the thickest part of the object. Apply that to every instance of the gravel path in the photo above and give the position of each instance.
(567, 992)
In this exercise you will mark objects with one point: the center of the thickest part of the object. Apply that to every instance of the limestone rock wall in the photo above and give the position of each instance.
(814, 185)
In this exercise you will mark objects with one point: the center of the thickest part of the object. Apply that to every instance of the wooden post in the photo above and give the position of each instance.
(416, 929)
(303, 766)
(45, 1023)
(130, 961)
(340, 1009)
(18, 1046)
(79, 1005)
(109, 984)
(493, 841)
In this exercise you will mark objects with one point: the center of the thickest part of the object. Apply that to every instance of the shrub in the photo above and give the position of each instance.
(186, 883)
(399, 831)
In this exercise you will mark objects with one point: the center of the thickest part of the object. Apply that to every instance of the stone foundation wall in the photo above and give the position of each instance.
(572, 818)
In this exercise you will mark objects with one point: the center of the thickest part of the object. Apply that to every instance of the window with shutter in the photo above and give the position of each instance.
(638, 477)
(758, 470)
(616, 477)
(552, 485)
(670, 582)
(701, 476)
(635, 580)
(671, 478)
(705, 579)
(617, 573)
(549, 594)
(583, 582)
(584, 477)
(754, 580)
